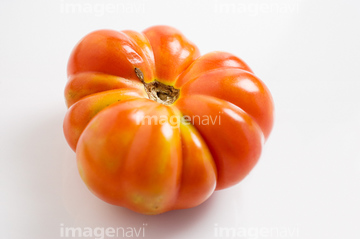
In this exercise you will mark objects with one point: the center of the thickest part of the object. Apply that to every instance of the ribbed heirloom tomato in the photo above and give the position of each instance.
(157, 127)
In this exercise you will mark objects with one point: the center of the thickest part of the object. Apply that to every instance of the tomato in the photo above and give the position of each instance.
(157, 127)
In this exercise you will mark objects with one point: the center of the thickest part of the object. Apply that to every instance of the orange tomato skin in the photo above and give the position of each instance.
(208, 62)
(172, 51)
(88, 83)
(239, 87)
(123, 165)
(81, 112)
(150, 157)
(113, 53)
(236, 147)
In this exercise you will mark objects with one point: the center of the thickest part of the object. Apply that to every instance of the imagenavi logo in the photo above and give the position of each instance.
(102, 232)
(256, 232)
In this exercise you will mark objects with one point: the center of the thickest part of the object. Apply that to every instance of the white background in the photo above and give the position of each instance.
(307, 181)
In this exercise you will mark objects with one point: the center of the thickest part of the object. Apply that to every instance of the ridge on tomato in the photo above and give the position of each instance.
(118, 81)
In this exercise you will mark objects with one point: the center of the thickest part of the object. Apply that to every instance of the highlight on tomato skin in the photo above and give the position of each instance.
(155, 125)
